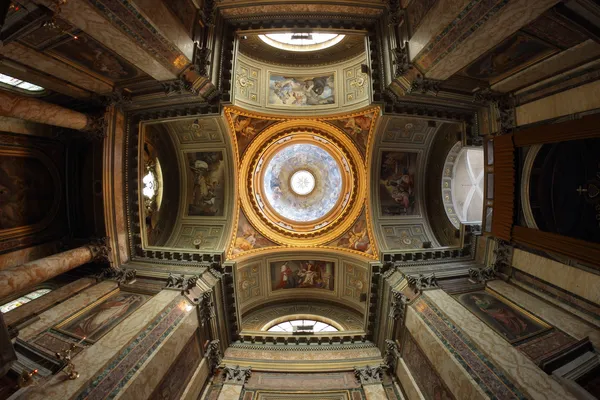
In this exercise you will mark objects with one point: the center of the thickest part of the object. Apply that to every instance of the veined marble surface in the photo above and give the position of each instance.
(522, 371)
(58, 313)
(552, 315)
(581, 98)
(93, 359)
(197, 382)
(375, 392)
(458, 380)
(574, 280)
(408, 382)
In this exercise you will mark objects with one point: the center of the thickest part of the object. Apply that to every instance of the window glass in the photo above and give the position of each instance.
(30, 87)
(23, 300)
(302, 326)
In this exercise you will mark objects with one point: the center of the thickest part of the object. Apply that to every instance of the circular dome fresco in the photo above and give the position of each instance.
(304, 178)
(302, 182)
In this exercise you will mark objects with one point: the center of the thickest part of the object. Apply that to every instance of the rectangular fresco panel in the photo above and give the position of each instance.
(397, 183)
(308, 274)
(301, 91)
(506, 318)
(99, 318)
(206, 183)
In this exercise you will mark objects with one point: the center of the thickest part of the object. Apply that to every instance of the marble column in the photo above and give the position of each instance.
(32, 109)
(234, 379)
(371, 378)
(15, 279)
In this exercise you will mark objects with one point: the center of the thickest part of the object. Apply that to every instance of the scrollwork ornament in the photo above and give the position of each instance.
(421, 282)
(369, 375)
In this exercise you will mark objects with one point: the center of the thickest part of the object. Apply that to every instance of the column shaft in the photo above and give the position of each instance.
(32, 273)
(32, 109)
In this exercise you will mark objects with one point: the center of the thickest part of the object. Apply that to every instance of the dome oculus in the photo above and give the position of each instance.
(302, 182)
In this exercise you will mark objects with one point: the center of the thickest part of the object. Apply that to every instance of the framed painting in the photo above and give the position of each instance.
(301, 91)
(503, 316)
(100, 317)
(206, 183)
(302, 274)
(397, 183)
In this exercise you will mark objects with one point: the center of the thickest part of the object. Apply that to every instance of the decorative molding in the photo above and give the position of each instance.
(421, 282)
(391, 356)
(482, 275)
(213, 355)
(398, 306)
(424, 85)
(121, 275)
(179, 86)
(401, 60)
(236, 375)
(206, 309)
(369, 375)
(100, 249)
(504, 103)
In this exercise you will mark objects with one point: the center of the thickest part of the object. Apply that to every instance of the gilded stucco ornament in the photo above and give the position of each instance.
(307, 153)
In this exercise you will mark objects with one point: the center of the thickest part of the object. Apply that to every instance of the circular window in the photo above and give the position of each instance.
(302, 182)
(301, 41)
(300, 326)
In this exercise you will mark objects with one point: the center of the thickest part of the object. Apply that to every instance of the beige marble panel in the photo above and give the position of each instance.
(230, 392)
(53, 67)
(582, 98)
(167, 24)
(37, 306)
(520, 369)
(562, 61)
(375, 392)
(458, 380)
(574, 280)
(148, 377)
(91, 360)
(438, 17)
(552, 315)
(83, 15)
(409, 385)
(558, 303)
(56, 314)
(513, 16)
(411, 389)
(194, 388)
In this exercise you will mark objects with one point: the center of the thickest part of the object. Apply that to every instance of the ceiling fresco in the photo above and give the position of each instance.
(302, 182)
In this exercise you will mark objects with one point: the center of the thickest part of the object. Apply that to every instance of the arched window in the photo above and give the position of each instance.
(11, 305)
(462, 185)
(301, 41)
(302, 326)
(19, 84)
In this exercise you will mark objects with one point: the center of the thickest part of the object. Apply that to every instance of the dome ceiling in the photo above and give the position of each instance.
(302, 182)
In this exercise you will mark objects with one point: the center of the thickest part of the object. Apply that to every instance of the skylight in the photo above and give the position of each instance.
(30, 87)
(301, 41)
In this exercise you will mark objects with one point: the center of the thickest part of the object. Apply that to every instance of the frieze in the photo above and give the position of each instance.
(302, 347)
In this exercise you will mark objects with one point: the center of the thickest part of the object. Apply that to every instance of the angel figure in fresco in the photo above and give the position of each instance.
(204, 190)
(502, 315)
(357, 125)
(243, 126)
(357, 238)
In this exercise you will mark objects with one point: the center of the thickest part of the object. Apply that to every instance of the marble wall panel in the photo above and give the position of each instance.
(197, 382)
(553, 315)
(58, 313)
(407, 381)
(85, 16)
(523, 372)
(560, 62)
(229, 392)
(486, 32)
(456, 377)
(375, 392)
(51, 66)
(107, 366)
(432, 387)
(572, 101)
(291, 381)
(571, 279)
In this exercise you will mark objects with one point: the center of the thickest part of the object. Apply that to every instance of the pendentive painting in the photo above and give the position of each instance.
(206, 186)
(503, 316)
(308, 274)
(97, 320)
(301, 91)
(397, 183)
